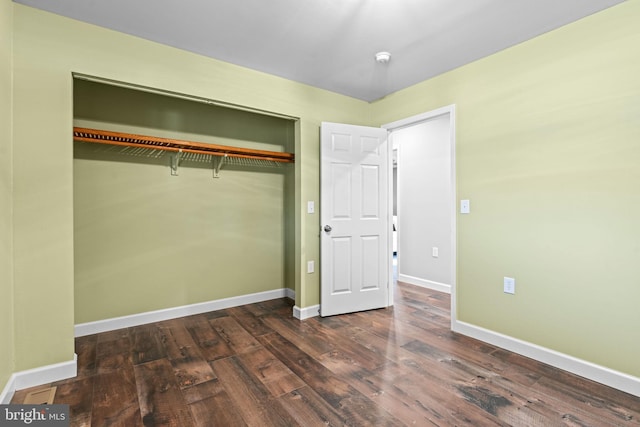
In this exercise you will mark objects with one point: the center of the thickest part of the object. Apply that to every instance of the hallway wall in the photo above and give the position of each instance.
(424, 203)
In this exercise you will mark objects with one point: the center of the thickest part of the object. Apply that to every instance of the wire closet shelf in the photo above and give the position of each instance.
(176, 145)
(220, 154)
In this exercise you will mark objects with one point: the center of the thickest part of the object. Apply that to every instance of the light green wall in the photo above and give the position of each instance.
(548, 152)
(48, 48)
(145, 240)
(6, 218)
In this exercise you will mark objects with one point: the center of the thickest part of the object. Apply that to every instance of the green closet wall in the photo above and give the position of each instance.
(145, 240)
(48, 49)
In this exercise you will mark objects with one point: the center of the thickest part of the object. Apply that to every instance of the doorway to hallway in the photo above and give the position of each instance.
(423, 152)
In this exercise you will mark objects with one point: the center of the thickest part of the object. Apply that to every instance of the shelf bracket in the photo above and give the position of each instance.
(218, 162)
(175, 162)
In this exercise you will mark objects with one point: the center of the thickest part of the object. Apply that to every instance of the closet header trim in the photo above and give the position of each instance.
(182, 96)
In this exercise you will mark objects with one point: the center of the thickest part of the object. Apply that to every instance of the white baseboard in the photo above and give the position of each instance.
(7, 392)
(429, 284)
(99, 326)
(600, 374)
(38, 376)
(307, 312)
(303, 313)
(290, 293)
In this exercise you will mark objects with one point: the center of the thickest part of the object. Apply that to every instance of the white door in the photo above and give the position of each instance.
(355, 221)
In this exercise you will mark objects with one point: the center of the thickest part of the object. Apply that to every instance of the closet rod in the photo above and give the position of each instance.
(176, 145)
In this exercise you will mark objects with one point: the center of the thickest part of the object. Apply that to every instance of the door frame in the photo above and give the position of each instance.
(414, 120)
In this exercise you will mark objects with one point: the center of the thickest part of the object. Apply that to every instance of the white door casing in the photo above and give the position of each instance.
(449, 110)
(354, 218)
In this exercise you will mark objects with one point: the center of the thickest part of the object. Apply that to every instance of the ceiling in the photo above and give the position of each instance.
(331, 44)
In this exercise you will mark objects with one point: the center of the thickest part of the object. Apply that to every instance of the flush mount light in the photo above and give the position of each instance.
(383, 57)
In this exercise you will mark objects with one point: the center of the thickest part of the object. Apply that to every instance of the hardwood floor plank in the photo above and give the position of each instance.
(114, 354)
(213, 412)
(424, 389)
(250, 322)
(578, 398)
(345, 350)
(210, 315)
(210, 343)
(557, 378)
(337, 322)
(355, 408)
(236, 337)
(273, 374)
(412, 409)
(115, 399)
(465, 380)
(279, 307)
(161, 403)
(388, 326)
(383, 347)
(408, 409)
(301, 333)
(483, 386)
(308, 408)
(146, 344)
(211, 406)
(189, 365)
(19, 395)
(78, 395)
(85, 348)
(113, 335)
(258, 409)
(115, 396)
(202, 391)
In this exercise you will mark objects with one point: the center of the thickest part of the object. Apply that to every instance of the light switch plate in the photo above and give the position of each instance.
(465, 207)
(311, 266)
(311, 207)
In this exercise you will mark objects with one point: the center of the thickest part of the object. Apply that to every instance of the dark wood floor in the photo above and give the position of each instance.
(256, 365)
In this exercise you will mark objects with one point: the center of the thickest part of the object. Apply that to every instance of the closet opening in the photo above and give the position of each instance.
(158, 228)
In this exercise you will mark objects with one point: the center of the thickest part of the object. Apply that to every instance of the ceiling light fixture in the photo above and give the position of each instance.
(383, 57)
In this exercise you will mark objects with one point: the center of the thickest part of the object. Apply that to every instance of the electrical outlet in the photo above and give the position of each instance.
(509, 285)
(311, 266)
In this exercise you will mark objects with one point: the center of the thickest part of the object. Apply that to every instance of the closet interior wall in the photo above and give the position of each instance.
(145, 240)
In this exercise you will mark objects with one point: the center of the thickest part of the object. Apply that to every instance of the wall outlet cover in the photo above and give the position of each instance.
(509, 285)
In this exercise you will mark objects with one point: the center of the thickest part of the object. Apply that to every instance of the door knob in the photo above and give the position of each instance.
(327, 228)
